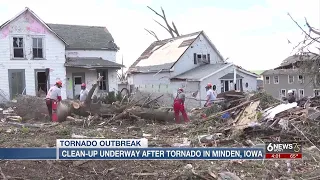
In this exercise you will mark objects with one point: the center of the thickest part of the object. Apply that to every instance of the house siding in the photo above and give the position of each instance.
(199, 46)
(151, 82)
(274, 89)
(104, 54)
(27, 26)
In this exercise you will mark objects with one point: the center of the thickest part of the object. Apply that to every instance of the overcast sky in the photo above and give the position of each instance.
(251, 33)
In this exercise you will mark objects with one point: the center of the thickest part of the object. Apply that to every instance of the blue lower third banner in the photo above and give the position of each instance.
(28, 153)
(161, 153)
(131, 153)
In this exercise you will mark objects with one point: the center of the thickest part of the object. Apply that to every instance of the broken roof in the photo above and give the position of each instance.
(280, 72)
(202, 71)
(297, 58)
(85, 37)
(91, 62)
(165, 53)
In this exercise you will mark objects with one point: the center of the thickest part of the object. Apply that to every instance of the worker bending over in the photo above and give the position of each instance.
(84, 92)
(54, 95)
(178, 106)
(211, 95)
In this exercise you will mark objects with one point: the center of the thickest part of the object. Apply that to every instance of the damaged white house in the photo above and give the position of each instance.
(190, 61)
(35, 54)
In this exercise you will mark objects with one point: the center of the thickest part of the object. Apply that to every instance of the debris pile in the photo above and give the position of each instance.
(244, 123)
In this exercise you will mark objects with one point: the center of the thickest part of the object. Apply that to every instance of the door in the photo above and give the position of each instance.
(78, 79)
(226, 86)
(17, 83)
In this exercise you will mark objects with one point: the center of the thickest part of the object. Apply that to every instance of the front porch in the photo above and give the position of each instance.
(87, 70)
(227, 82)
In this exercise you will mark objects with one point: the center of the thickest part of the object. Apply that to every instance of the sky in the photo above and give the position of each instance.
(251, 33)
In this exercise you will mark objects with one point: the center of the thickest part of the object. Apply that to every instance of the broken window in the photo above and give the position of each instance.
(290, 79)
(301, 93)
(283, 93)
(18, 51)
(301, 79)
(103, 85)
(204, 57)
(316, 92)
(267, 80)
(276, 79)
(37, 47)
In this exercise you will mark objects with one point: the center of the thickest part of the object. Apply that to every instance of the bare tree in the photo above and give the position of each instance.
(309, 61)
(172, 30)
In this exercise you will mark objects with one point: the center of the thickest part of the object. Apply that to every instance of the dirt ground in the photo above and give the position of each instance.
(160, 135)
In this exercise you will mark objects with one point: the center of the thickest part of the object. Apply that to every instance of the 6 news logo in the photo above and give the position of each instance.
(283, 147)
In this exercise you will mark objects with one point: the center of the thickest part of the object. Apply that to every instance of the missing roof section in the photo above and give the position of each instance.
(187, 42)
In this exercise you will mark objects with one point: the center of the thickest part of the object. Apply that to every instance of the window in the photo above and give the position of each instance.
(300, 79)
(294, 91)
(204, 57)
(283, 93)
(18, 47)
(199, 58)
(103, 85)
(290, 79)
(301, 93)
(276, 79)
(267, 80)
(37, 48)
(316, 92)
(247, 85)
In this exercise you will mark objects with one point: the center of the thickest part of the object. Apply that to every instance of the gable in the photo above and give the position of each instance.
(26, 22)
(165, 52)
(81, 37)
(168, 52)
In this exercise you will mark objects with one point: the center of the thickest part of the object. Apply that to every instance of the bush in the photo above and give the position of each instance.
(111, 97)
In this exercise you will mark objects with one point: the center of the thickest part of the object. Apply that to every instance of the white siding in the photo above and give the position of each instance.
(104, 54)
(199, 46)
(113, 80)
(54, 49)
(151, 82)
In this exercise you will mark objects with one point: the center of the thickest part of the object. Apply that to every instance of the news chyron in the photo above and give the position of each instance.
(283, 150)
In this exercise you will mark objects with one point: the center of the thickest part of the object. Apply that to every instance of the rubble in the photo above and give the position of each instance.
(250, 121)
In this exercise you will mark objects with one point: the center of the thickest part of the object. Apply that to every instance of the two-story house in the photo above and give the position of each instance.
(190, 61)
(33, 55)
(288, 76)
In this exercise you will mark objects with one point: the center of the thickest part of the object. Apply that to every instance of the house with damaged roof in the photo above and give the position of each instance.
(190, 61)
(34, 55)
(292, 75)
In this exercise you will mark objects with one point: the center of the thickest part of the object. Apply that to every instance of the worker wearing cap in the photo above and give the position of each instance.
(54, 94)
(291, 97)
(178, 106)
(84, 92)
(211, 95)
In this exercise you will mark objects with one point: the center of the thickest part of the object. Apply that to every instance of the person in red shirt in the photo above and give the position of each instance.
(178, 106)
(54, 94)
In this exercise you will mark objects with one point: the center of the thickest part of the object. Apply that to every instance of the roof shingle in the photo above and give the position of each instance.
(85, 37)
(201, 71)
(91, 62)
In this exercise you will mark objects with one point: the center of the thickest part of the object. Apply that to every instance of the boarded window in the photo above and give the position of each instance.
(18, 51)
(37, 47)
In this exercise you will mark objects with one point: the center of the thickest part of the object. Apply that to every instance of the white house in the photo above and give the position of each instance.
(189, 61)
(33, 55)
